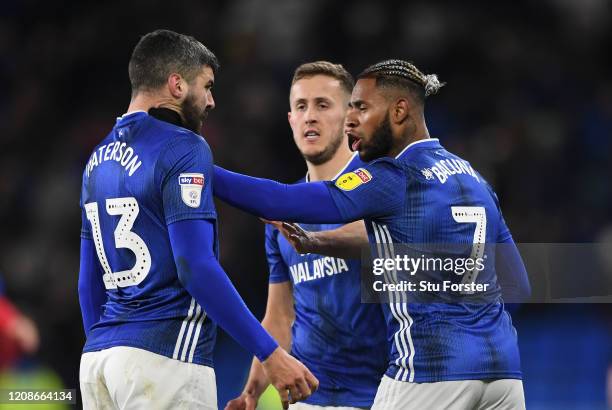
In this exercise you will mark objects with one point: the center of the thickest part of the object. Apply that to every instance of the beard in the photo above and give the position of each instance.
(380, 143)
(327, 153)
(192, 115)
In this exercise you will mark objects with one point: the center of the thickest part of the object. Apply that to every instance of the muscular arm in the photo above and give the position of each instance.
(278, 320)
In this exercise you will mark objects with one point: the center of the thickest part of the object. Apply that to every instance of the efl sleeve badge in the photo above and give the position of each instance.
(191, 188)
(351, 180)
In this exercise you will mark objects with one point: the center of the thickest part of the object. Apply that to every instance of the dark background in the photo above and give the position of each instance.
(528, 102)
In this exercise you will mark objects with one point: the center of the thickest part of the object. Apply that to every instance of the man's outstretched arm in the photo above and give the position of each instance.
(376, 195)
(308, 202)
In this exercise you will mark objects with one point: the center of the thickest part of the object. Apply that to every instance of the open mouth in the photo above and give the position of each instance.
(354, 141)
(311, 135)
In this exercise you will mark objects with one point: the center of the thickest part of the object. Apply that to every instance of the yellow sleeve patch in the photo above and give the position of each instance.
(351, 180)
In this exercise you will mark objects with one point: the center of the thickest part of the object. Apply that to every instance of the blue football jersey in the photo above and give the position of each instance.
(342, 341)
(145, 175)
(428, 195)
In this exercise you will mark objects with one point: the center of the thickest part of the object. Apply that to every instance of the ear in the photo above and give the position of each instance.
(177, 86)
(289, 117)
(400, 111)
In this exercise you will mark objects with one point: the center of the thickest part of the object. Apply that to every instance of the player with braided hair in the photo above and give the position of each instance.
(390, 71)
(450, 354)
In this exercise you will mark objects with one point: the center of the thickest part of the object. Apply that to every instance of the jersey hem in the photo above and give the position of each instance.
(278, 280)
(392, 372)
(130, 343)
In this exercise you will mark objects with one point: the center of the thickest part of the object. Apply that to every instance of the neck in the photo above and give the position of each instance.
(144, 102)
(329, 169)
(406, 139)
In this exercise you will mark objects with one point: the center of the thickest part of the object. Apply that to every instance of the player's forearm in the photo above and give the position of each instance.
(280, 329)
(258, 381)
(344, 242)
(202, 276)
(92, 294)
(308, 203)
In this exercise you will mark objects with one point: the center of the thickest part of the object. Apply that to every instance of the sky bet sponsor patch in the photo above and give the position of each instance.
(191, 188)
(351, 180)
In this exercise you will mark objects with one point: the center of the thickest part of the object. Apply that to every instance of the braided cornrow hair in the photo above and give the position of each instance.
(389, 71)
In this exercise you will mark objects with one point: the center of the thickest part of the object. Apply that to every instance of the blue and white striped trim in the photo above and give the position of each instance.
(185, 344)
(399, 309)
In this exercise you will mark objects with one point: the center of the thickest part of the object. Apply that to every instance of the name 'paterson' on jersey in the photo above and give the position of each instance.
(320, 267)
(447, 167)
(116, 151)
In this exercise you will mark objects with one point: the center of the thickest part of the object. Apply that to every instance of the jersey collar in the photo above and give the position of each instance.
(425, 143)
(131, 115)
(350, 161)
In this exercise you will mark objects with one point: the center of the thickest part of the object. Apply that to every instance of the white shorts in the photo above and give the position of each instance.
(127, 378)
(306, 406)
(502, 394)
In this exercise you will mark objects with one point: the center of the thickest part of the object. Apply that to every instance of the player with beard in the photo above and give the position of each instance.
(314, 304)
(459, 351)
(150, 285)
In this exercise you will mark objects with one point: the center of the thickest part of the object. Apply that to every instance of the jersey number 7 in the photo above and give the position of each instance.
(478, 216)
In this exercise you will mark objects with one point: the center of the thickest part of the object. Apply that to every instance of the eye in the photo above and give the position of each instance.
(361, 107)
(323, 106)
(300, 107)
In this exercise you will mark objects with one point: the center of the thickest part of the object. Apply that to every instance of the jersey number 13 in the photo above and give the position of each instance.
(124, 238)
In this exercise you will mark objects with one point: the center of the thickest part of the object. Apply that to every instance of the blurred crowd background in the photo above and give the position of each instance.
(528, 102)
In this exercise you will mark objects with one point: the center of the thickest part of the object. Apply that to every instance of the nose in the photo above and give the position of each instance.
(350, 121)
(210, 103)
(310, 116)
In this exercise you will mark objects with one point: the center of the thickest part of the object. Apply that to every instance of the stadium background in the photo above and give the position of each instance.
(528, 102)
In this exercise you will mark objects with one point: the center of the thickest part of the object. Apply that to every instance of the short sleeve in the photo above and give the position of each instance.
(374, 191)
(278, 268)
(186, 187)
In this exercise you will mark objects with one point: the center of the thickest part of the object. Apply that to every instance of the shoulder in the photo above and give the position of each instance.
(186, 144)
(383, 171)
(385, 166)
(385, 162)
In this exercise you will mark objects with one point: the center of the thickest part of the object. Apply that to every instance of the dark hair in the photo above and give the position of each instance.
(163, 52)
(336, 71)
(403, 75)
